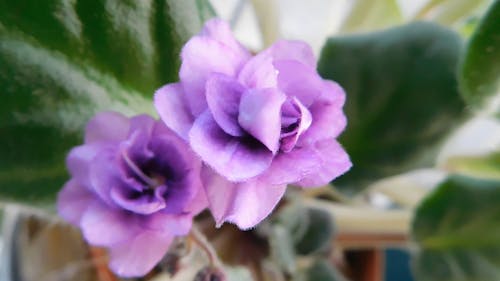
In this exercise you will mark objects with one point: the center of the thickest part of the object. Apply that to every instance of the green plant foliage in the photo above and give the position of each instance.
(368, 15)
(457, 229)
(402, 96)
(487, 166)
(311, 230)
(62, 61)
(321, 270)
(479, 74)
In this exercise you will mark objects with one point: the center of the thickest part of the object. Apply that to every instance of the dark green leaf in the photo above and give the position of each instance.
(62, 61)
(282, 250)
(401, 95)
(457, 228)
(319, 232)
(311, 229)
(323, 271)
(480, 69)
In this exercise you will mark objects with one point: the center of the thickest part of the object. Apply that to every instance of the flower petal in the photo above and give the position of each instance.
(235, 158)
(104, 174)
(169, 103)
(259, 72)
(141, 204)
(79, 160)
(293, 50)
(172, 224)
(244, 204)
(220, 31)
(260, 115)
(291, 167)
(223, 98)
(73, 200)
(201, 57)
(104, 226)
(329, 119)
(289, 140)
(137, 256)
(298, 80)
(333, 162)
(107, 126)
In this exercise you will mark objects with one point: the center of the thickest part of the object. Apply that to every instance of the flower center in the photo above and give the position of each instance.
(152, 181)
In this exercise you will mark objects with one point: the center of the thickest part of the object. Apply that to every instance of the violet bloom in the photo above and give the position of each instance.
(260, 122)
(134, 186)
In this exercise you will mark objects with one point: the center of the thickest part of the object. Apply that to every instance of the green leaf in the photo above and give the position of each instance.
(311, 229)
(62, 61)
(449, 12)
(479, 74)
(457, 229)
(402, 96)
(282, 250)
(323, 271)
(319, 232)
(369, 15)
(487, 166)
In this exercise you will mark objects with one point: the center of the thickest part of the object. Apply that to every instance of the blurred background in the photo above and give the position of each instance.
(412, 127)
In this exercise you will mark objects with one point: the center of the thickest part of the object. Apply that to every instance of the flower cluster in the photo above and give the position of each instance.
(234, 132)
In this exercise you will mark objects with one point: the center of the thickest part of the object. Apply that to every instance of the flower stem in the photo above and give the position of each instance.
(200, 240)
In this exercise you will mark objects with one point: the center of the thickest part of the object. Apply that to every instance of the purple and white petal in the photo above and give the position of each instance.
(107, 127)
(244, 204)
(326, 111)
(223, 98)
(103, 225)
(260, 115)
(201, 57)
(73, 200)
(237, 159)
(293, 50)
(333, 161)
(170, 105)
(137, 256)
(297, 80)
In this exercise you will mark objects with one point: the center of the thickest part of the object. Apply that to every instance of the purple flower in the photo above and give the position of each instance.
(134, 186)
(259, 122)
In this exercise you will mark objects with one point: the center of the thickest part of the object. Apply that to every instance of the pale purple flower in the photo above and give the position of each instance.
(134, 186)
(259, 122)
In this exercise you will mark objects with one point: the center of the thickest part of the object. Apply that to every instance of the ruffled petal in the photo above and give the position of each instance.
(298, 80)
(259, 72)
(107, 126)
(293, 50)
(333, 162)
(104, 174)
(141, 204)
(79, 160)
(260, 115)
(179, 165)
(104, 226)
(169, 103)
(235, 158)
(73, 200)
(172, 224)
(244, 204)
(220, 31)
(291, 167)
(223, 98)
(329, 119)
(137, 256)
(201, 57)
(289, 139)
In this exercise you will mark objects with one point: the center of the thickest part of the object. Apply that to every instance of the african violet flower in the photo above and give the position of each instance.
(135, 186)
(259, 122)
